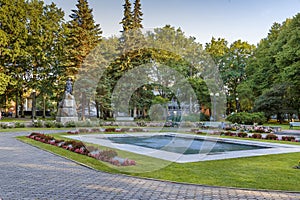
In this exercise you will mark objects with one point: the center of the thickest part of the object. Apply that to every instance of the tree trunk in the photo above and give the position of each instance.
(22, 106)
(33, 109)
(17, 104)
(44, 107)
(83, 99)
(97, 109)
(89, 107)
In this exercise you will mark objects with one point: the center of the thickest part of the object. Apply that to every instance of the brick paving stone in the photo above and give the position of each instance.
(30, 173)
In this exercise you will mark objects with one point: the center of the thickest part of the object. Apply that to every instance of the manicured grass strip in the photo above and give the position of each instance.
(285, 126)
(273, 172)
(31, 129)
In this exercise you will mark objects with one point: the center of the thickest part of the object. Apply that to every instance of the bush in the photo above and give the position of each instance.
(38, 123)
(58, 125)
(19, 125)
(86, 123)
(257, 136)
(242, 134)
(247, 118)
(4, 126)
(271, 136)
(228, 133)
(70, 124)
(110, 130)
(204, 117)
(50, 124)
(288, 138)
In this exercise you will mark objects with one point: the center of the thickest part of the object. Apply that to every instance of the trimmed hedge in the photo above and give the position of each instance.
(247, 118)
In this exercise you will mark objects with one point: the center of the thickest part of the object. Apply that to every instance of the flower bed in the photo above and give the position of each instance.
(110, 156)
(106, 130)
(269, 136)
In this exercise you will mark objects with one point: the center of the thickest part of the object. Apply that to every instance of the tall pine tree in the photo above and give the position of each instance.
(137, 15)
(84, 36)
(127, 21)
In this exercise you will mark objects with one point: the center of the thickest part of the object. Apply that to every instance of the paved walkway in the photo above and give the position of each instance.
(29, 173)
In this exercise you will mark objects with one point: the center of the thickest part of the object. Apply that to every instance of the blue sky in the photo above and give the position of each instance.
(248, 20)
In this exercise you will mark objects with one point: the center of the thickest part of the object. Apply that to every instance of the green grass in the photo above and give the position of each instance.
(284, 126)
(273, 172)
(29, 129)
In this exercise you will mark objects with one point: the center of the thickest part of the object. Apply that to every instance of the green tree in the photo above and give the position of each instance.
(127, 21)
(84, 36)
(4, 81)
(12, 46)
(288, 59)
(217, 49)
(137, 15)
(273, 69)
(45, 29)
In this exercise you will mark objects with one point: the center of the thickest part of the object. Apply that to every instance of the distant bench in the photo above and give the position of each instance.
(292, 124)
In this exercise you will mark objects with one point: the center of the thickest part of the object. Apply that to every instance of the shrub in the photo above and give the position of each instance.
(86, 123)
(288, 138)
(19, 125)
(228, 133)
(59, 125)
(110, 130)
(95, 130)
(257, 136)
(38, 123)
(242, 134)
(247, 118)
(271, 136)
(141, 123)
(204, 117)
(50, 124)
(105, 155)
(70, 124)
(83, 130)
(4, 126)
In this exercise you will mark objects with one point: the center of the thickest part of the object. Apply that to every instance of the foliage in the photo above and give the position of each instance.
(247, 118)
(38, 123)
(58, 125)
(70, 124)
(137, 15)
(232, 62)
(271, 136)
(84, 35)
(256, 136)
(288, 138)
(4, 82)
(19, 125)
(50, 124)
(273, 69)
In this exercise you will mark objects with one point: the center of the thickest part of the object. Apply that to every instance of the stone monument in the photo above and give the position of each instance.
(67, 107)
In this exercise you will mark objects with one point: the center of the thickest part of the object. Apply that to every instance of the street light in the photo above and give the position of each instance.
(215, 95)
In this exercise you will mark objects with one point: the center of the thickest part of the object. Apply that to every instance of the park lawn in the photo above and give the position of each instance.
(273, 172)
(284, 126)
(29, 129)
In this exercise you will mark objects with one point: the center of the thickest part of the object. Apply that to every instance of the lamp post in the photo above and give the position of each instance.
(214, 95)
